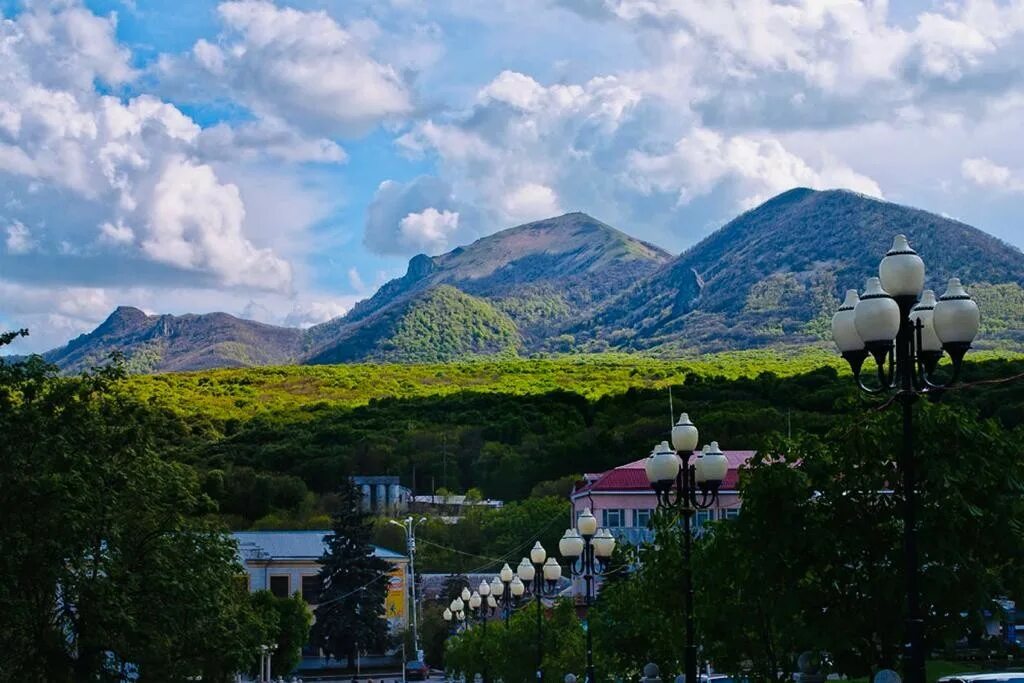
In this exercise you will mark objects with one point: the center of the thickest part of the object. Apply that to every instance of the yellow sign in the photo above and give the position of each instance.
(394, 603)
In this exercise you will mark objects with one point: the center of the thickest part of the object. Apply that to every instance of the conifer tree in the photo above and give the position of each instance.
(350, 615)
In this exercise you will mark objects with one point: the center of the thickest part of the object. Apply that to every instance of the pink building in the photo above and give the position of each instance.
(622, 499)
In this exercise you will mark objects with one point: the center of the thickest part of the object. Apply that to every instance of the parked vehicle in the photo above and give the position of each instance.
(418, 671)
(988, 677)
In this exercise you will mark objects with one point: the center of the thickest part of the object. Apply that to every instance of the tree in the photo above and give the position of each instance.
(750, 612)
(110, 559)
(350, 614)
(632, 606)
(504, 653)
(288, 620)
(814, 561)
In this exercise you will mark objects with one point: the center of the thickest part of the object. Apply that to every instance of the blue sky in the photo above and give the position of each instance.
(281, 160)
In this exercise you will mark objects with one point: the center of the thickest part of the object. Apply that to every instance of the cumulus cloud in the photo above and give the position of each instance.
(407, 218)
(984, 172)
(266, 138)
(787, 64)
(195, 222)
(761, 167)
(300, 67)
(127, 167)
(315, 312)
(428, 230)
(525, 151)
(510, 157)
(19, 240)
(530, 201)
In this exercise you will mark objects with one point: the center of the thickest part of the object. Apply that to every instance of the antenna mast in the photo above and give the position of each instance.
(671, 410)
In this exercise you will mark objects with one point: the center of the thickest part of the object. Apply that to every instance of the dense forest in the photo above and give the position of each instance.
(273, 444)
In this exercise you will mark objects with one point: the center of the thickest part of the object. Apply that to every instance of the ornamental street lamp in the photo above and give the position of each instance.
(541, 573)
(587, 549)
(481, 602)
(906, 331)
(455, 615)
(507, 588)
(695, 488)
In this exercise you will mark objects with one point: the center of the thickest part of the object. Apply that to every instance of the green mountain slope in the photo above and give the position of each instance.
(775, 274)
(769, 278)
(156, 343)
(543, 275)
(434, 325)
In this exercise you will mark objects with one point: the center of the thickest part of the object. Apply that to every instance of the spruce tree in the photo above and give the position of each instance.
(350, 615)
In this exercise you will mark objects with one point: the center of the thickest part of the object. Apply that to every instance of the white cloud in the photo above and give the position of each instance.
(761, 167)
(65, 46)
(19, 239)
(295, 66)
(195, 222)
(531, 201)
(757, 63)
(118, 233)
(355, 280)
(315, 312)
(266, 138)
(407, 218)
(985, 173)
(510, 158)
(428, 230)
(125, 167)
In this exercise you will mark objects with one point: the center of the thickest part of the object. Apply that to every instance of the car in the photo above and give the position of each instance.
(987, 677)
(416, 671)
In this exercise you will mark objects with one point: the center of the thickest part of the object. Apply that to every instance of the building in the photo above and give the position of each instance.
(623, 501)
(383, 495)
(288, 562)
(451, 507)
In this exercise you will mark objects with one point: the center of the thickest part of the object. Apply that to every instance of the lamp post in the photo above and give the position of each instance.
(906, 331)
(409, 526)
(685, 487)
(455, 614)
(541, 574)
(482, 603)
(507, 589)
(587, 549)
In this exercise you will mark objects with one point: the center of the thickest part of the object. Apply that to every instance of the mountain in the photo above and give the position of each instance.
(775, 273)
(770, 277)
(157, 343)
(433, 325)
(541, 276)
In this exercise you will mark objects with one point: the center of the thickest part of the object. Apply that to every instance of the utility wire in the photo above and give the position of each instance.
(490, 560)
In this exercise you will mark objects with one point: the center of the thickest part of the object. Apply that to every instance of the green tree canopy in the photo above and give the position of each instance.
(109, 561)
(350, 610)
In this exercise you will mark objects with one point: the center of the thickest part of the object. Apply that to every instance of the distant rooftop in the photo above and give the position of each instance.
(631, 476)
(302, 544)
(457, 500)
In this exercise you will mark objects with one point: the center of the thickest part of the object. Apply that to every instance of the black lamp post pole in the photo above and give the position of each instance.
(506, 601)
(540, 587)
(686, 502)
(905, 368)
(588, 566)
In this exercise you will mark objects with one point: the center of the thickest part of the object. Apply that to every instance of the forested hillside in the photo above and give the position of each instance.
(274, 443)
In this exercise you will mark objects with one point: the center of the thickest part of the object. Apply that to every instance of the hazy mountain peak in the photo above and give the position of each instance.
(769, 277)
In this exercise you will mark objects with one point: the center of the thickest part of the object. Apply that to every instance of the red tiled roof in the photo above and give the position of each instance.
(631, 476)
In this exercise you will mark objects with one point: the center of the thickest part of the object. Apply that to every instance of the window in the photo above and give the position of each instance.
(730, 513)
(704, 516)
(613, 518)
(279, 585)
(642, 518)
(311, 588)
